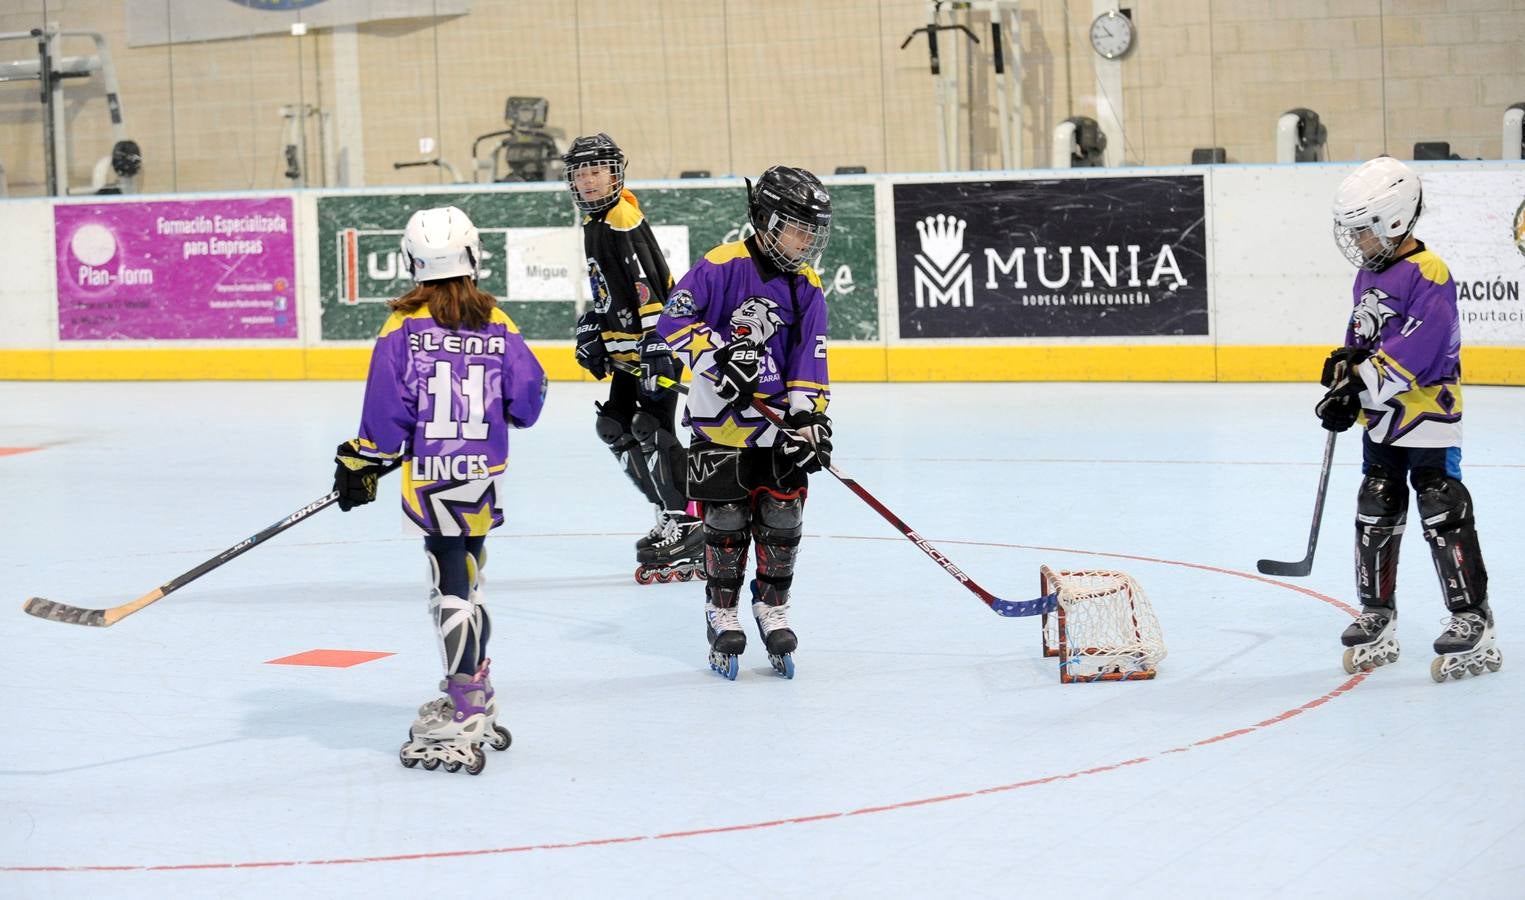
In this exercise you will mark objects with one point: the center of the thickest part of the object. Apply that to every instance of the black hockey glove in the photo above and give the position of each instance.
(657, 362)
(355, 476)
(1341, 405)
(807, 443)
(737, 366)
(591, 354)
(1341, 364)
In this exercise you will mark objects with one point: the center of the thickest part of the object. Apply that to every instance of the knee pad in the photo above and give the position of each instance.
(780, 522)
(1446, 508)
(1381, 511)
(613, 432)
(1444, 502)
(725, 551)
(1382, 499)
(666, 460)
(645, 427)
(480, 620)
(457, 622)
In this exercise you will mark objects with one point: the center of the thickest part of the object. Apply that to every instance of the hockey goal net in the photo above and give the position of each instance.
(1103, 628)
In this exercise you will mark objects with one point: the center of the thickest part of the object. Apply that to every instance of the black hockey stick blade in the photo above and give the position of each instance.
(1302, 567)
(1285, 569)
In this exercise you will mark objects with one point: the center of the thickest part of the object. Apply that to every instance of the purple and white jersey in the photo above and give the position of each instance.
(445, 400)
(728, 295)
(1406, 315)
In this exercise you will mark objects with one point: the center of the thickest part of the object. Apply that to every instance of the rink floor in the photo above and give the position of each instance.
(926, 748)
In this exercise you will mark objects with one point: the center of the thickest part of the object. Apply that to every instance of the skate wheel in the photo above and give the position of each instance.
(408, 762)
(726, 665)
(1438, 669)
(783, 665)
(642, 576)
(431, 764)
(499, 738)
(1350, 661)
(685, 576)
(665, 577)
(452, 766)
(478, 761)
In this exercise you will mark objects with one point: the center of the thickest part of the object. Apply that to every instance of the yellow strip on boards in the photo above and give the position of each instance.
(848, 362)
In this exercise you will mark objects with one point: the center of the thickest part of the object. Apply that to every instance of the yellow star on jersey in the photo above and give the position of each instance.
(697, 345)
(731, 432)
(818, 403)
(1426, 401)
(479, 522)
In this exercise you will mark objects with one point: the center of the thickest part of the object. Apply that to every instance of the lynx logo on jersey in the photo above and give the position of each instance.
(943, 274)
(1371, 314)
(681, 304)
(756, 319)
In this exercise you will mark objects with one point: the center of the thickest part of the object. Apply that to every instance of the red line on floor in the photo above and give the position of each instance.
(1349, 684)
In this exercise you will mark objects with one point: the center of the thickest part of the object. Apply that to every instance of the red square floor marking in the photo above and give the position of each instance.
(338, 659)
(11, 451)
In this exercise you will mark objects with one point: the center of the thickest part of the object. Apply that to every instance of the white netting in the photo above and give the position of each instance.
(1104, 628)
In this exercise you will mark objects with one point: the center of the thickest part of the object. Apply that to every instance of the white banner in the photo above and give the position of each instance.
(151, 22)
(548, 263)
(1475, 221)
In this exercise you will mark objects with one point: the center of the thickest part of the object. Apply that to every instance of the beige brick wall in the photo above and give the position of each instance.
(733, 85)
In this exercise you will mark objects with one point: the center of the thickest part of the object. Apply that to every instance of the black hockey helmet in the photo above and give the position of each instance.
(590, 153)
(791, 213)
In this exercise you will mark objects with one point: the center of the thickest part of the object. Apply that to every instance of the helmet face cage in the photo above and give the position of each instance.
(791, 214)
(593, 172)
(596, 157)
(792, 243)
(441, 243)
(1364, 247)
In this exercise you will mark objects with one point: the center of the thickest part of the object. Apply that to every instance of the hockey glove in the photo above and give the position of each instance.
(355, 476)
(591, 354)
(807, 443)
(1341, 365)
(657, 362)
(1341, 405)
(737, 367)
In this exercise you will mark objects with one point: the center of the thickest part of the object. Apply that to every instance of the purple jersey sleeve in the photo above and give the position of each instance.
(805, 375)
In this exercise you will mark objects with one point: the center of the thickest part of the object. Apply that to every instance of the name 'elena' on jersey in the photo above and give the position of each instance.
(1406, 314)
(446, 400)
(725, 297)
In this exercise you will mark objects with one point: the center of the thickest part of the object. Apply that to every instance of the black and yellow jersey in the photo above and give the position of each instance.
(628, 274)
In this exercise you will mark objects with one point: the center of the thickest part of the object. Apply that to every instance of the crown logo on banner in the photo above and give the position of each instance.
(942, 274)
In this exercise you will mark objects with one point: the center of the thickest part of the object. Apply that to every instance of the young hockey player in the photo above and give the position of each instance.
(630, 282)
(449, 376)
(1400, 371)
(750, 320)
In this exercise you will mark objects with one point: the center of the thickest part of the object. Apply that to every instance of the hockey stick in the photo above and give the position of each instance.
(102, 618)
(1305, 565)
(1009, 608)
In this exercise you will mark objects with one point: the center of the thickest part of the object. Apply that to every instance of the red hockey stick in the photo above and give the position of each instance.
(1010, 608)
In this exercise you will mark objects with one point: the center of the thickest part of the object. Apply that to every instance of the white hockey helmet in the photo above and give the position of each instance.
(1375, 209)
(441, 243)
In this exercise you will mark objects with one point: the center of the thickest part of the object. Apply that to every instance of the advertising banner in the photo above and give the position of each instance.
(1475, 221)
(1079, 257)
(152, 22)
(176, 270)
(532, 253)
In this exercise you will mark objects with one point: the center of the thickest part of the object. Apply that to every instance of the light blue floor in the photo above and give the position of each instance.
(926, 749)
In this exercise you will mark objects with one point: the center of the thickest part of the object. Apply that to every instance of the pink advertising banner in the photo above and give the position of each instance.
(176, 270)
